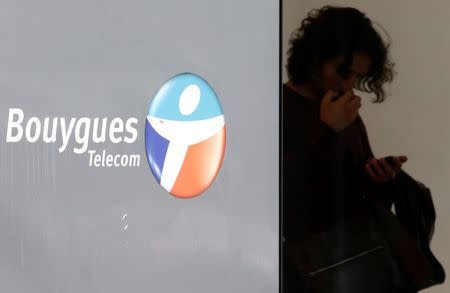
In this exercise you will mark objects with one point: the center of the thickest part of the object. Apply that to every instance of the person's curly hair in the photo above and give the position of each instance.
(332, 32)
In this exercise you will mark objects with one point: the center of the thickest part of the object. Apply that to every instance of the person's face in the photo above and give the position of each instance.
(332, 79)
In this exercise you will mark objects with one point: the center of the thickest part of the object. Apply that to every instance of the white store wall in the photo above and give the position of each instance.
(413, 120)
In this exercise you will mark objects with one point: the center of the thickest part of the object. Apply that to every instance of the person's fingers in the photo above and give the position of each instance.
(388, 170)
(354, 106)
(376, 166)
(369, 170)
(403, 158)
(353, 114)
(329, 95)
(347, 96)
(356, 100)
(398, 164)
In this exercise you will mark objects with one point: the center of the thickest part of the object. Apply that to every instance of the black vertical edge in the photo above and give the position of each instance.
(280, 149)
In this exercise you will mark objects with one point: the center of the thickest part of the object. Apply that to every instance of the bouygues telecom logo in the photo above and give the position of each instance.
(185, 135)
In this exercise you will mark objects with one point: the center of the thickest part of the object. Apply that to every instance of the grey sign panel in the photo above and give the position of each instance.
(67, 226)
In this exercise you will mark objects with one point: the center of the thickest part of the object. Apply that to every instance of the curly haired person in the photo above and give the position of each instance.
(331, 176)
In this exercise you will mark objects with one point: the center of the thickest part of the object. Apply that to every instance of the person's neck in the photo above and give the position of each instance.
(303, 90)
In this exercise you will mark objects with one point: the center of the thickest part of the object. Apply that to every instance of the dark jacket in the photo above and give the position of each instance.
(328, 202)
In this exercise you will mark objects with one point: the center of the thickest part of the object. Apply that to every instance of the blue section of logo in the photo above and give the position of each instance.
(156, 147)
(165, 103)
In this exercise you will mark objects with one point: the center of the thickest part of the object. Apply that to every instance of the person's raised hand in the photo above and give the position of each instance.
(381, 171)
(340, 113)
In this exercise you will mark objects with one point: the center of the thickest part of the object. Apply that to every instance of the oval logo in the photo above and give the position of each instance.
(185, 135)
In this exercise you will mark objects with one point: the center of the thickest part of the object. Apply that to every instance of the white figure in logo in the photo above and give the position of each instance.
(182, 134)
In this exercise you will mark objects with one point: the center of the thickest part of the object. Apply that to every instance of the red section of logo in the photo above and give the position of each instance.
(200, 166)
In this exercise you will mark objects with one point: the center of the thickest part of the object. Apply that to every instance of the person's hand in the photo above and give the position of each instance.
(381, 171)
(340, 113)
